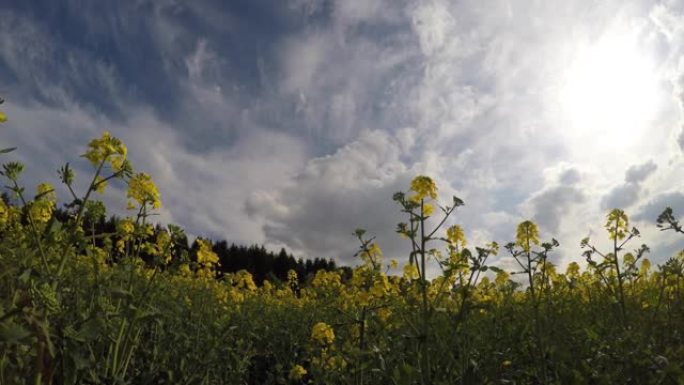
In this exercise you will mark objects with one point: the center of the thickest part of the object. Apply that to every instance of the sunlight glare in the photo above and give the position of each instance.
(609, 93)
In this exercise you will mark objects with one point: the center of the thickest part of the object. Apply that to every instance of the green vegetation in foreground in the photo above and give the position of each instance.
(84, 307)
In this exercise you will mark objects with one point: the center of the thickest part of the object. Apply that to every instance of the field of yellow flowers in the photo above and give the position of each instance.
(129, 307)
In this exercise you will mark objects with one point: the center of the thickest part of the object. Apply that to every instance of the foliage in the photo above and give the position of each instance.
(89, 301)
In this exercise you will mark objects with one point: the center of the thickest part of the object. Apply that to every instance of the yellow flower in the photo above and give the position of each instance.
(384, 314)
(617, 224)
(41, 211)
(410, 271)
(645, 267)
(4, 214)
(372, 254)
(100, 184)
(628, 259)
(323, 334)
(126, 227)
(375, 250)
(206, 273)
(42, 208)
(572, 270)
(501, 278)
(142, 189)
(424, 187)
(297, 373)
(162, 246)
(119, 163)
(292, 278)
(106, 149)
(506, 363)
(205, 255)
(121, 246)
(380, 286)
(329, 279)
(455, 236)
(46, 191)
(527, 235)
(184, 270)
(428, 209)
(244, 280)
(335, 363)
(3, 117)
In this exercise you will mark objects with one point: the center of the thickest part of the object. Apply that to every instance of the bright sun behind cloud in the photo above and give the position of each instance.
(609, 93)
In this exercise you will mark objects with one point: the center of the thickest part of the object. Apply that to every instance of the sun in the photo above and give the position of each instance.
(609, 94)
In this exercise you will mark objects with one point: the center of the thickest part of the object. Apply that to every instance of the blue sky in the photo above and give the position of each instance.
(291, 123)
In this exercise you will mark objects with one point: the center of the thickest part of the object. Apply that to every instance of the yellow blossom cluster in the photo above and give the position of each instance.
(424, 187)
(372, 254)
(205, 255)
(329, 362)
(297, 373)
(141, 189)
(322, 334)
(327, 279)
(107, 149)
(456, 237)
(411, 272)
(126, 227)
(572, 270)
(245, 281)
(617, 224)
(527, 235)
(4, 214)
(43, 206)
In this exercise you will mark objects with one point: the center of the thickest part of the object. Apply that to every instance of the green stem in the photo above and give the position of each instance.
(621, 291)
(425, 358)
(34, 229)
(77, 222)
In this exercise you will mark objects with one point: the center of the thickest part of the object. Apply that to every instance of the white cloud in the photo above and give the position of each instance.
(354, 102)
(318, 211)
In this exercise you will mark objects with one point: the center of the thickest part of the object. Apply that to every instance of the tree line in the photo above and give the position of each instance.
(263, 264)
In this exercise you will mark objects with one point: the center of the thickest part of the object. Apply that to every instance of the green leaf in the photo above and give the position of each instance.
(55, 227)
(13, 333)
(6, 150)
(149, 314)
(90, 330)
(25, 276)
(120, 293)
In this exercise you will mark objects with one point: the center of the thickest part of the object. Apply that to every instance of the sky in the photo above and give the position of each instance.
(291, 123)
